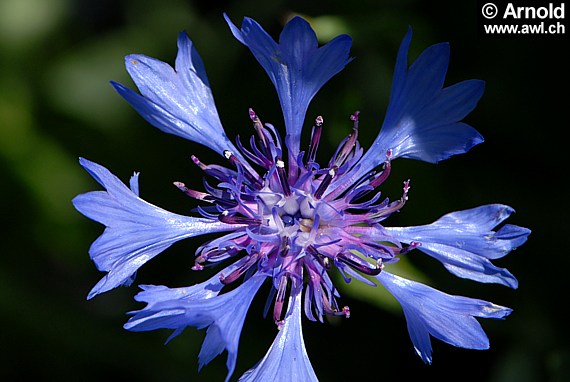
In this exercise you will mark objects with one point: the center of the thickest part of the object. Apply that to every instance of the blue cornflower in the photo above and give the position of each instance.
(291, 221)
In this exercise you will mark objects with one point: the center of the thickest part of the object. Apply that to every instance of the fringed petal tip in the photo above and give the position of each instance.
(296, 65)
(288, 349)
(448, 318)
(180, 308)
(465, 243)
(136, 231)
(423, 120)
(177, 100)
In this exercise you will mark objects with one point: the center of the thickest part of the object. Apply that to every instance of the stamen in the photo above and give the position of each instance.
(349, 142)
(258, 126)
(385, 172)
(215, 255)
(225, 217)
(279, 300)
(406, 189)
(412, 245)
(334, 311)
(221, 173)
(205, 197)
(240, 270)
(394, 206)
(325, 182)
(282, 175)
(315, 139)
(322, 259)
(251, 177)
(192, 193)
(360, 264)
(198, 163)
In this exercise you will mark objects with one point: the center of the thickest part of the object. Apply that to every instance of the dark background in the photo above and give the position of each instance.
(56, 58)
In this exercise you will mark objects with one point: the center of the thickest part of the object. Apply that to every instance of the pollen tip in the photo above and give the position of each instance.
(406, 186)
(228, 154)
(319, 121)
(380, 265)
(195, 160)
(332, 171)
(198, 267)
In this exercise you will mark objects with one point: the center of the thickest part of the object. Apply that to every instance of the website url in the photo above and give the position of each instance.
(525, 29)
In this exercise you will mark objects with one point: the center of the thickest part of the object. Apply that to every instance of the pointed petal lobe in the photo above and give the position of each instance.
(176, 100)
(465, 242)
(136, 230)
(287, 359)
(296, 65)
(423, 118)
(179, 308)
(448, 318)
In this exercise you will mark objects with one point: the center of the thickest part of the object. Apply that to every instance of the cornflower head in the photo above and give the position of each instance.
(286, 218)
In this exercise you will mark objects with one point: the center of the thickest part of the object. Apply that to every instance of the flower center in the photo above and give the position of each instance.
(295, 224)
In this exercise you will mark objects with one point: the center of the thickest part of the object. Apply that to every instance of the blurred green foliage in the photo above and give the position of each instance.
(56, 58)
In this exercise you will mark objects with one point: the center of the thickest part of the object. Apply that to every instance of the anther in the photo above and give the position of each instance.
(360, 264)
(197, 267)
(282, 175)
(225, 217)
(412, 245)
(315, 139)
(354, 118)
(251, 177)
(279, 300)
(325, 182)
(394, 206)
(406, 189)
(258, 126)
(240, 270)
(348, 143)
(322, 259)
(193, 194)
(198, 163)
(381, 178)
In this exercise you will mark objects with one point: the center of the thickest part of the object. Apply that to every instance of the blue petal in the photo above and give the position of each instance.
(448, 318)
(464, 242)
(201, 307)
(423, 118)
(296, 65)
(136, 230)
(287, 358)
(158, 297)
(176, 100)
